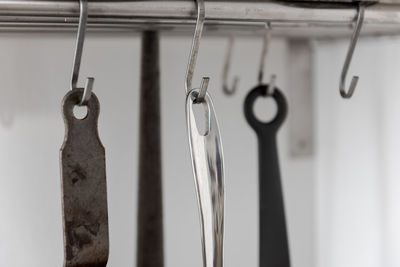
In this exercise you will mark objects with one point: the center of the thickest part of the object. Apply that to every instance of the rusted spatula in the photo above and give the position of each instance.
(84, 189)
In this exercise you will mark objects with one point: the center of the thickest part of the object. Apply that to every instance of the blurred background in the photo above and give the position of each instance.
(341, 193)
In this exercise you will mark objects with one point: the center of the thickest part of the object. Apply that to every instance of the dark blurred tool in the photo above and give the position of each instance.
(274, 250)
(150, 215)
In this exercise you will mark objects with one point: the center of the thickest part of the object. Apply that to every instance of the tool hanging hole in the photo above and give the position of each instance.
(80, 112)
(201, 115)
(265, 109)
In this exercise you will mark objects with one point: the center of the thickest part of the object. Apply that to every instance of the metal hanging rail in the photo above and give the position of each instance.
(289, 18)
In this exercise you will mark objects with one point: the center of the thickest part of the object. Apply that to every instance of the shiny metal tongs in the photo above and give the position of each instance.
(207, 158)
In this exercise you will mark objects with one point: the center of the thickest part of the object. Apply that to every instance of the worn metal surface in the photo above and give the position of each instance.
(84, 189)
(150, 214)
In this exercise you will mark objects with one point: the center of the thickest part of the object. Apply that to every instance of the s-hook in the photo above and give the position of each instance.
(225, 87)
(354, 39)
(87, 92)
(194, 52)
(207, 158)
(83, 173)
(266, 42)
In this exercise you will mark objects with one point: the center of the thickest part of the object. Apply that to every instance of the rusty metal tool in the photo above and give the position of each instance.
(274, 248)
(83, 171)
(84, 188)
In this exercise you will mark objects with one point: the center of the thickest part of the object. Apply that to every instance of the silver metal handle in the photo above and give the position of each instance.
(208, 170)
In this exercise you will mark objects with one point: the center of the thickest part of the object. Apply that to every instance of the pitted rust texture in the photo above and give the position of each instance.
(84, 188)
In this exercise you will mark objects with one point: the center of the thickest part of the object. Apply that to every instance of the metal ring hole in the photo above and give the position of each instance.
(265, 109)
(80, 112)
(202, 117)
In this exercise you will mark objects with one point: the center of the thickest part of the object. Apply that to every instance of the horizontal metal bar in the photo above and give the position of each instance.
(215, 10)
(174, 15)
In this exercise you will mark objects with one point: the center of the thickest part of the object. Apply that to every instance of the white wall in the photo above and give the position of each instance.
(357, 166)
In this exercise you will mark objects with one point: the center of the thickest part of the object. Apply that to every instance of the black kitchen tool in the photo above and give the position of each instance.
(274, 249)
(149, 247)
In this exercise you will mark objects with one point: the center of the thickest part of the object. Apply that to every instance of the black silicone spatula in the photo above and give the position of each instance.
(274, 249)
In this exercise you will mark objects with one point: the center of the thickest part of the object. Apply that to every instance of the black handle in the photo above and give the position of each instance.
(150, 237)
(274, 249)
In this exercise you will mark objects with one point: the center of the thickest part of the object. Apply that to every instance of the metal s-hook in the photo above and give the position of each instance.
(78, 54)
(266, 42)
(354, 39)
(225, 87)
(194, 52)
(207, 158)
(271, 85)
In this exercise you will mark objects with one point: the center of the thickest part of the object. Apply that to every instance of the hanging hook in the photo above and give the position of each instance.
(78, 54)
(194, 52)
(225, 87)
(266, 42)
(271, 85)
(354, 38)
